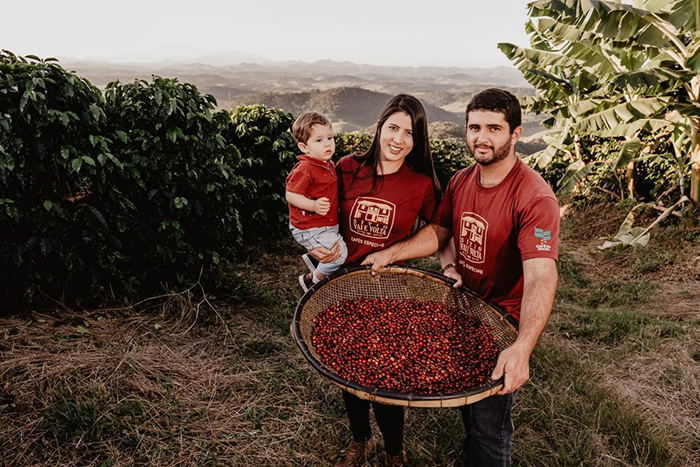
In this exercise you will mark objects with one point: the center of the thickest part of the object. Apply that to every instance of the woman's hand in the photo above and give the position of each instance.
(324, 255)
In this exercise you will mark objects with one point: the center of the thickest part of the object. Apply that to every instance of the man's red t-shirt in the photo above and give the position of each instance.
(371, 220)
(495, 229)
(314, 179)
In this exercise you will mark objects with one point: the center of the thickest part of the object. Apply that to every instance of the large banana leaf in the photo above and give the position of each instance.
(692, 60)
(624, 113)
(639, 236)
(627, 153)
(536, 57)
(645, 125)
(574, 175)
(681, 13)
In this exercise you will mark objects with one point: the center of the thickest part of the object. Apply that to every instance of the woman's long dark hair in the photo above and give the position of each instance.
(419, 159)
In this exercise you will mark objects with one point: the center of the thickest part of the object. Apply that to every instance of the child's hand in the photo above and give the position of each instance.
(322, 206)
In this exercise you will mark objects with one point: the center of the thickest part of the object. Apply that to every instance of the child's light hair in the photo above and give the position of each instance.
(303, 126)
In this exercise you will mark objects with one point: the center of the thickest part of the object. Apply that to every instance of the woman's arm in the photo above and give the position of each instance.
(324, 255)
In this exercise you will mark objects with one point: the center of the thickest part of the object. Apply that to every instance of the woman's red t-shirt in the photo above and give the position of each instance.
(372, 220)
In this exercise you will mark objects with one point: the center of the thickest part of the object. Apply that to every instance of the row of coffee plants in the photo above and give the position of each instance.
(126, 193)
(145, 187)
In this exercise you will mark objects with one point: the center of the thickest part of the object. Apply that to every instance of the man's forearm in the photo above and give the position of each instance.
(423, 243)
(540, 285)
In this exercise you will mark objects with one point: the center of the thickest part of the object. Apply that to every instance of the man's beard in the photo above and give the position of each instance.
(497, 155)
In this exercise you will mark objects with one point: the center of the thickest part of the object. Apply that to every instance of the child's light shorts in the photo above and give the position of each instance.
(322, 237)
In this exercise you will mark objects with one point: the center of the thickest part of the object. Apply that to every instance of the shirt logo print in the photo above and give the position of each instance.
(372, 217)
(544, 236)
(473, 231)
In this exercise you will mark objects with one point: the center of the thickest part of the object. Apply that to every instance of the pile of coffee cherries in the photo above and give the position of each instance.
(405, 345)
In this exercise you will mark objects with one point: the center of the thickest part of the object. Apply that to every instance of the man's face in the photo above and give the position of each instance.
(489, 138)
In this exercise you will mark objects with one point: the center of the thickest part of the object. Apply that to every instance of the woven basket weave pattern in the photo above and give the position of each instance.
(397, 283)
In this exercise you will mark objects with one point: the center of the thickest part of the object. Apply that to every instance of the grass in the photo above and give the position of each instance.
(590, 422)
(612, 327)
(615, 380)
(576, 287)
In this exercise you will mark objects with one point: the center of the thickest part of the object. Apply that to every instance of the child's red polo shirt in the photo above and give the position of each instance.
(314, 179)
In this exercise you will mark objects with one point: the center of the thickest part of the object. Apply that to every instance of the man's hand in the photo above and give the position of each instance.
(322, 206)
(453, 274)
(514, 364)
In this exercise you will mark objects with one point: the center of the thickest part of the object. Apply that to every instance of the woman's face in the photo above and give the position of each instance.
(396, 138)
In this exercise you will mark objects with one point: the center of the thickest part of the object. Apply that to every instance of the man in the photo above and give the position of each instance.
(503, 220)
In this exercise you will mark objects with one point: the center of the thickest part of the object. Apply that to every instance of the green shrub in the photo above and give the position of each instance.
(353, 142)
(268, 151)
(449, 156)
(110, 197)
(657, 177)
(176, 202)
(51, 155)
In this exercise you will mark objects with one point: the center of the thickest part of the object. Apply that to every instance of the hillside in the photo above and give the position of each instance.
(614, 379)
(351, 108)
(351, 94)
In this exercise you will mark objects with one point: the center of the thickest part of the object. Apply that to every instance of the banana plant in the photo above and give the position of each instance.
(614, 69)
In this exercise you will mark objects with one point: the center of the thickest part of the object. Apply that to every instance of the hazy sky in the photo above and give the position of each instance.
(382, 32)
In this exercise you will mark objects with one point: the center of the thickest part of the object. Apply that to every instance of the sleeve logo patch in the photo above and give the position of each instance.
(544, 236)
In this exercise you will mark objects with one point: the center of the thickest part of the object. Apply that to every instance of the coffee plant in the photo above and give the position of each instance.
(449, 156)
(268, 152)
(176, 200)
(111, 197)
(351, 143)
(53, 235)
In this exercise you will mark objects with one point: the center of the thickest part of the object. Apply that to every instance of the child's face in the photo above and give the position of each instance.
(321, 144)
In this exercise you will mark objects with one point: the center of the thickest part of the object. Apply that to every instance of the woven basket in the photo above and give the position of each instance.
(398, 282)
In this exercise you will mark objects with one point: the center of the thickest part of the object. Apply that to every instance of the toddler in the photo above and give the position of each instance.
(312, 194)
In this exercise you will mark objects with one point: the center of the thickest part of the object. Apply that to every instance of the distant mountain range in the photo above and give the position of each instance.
(352, 95)
(226, 82)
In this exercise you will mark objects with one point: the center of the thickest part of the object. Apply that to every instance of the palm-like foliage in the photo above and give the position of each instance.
(616, 70)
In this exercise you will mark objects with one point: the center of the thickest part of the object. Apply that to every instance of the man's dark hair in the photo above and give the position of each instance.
(497, 100)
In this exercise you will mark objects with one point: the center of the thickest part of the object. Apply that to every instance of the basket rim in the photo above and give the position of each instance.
(400, 398)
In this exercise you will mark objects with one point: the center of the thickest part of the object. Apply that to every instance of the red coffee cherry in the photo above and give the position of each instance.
(405, 345)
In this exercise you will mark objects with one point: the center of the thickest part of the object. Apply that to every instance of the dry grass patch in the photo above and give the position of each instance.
(121, 388)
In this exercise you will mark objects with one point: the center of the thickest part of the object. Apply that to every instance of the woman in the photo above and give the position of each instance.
(382, 193)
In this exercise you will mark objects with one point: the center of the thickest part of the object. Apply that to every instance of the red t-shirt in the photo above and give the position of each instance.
(314, 179)
(495, 229)
(372, 221)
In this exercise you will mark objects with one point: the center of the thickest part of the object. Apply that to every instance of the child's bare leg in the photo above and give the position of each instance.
(319, 276)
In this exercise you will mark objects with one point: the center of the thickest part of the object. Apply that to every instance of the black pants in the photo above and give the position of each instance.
(389, 419)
